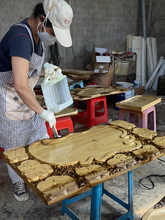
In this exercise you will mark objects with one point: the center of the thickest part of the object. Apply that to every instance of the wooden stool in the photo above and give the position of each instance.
(143, 107)
(61, 123)
(92, 115)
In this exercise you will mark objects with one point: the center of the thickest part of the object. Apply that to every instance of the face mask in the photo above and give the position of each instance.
(45, 37)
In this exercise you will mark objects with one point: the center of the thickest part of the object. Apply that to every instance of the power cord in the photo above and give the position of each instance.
(161, 160)
(142, 185)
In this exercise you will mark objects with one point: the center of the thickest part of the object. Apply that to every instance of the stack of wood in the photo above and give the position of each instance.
(77, 75)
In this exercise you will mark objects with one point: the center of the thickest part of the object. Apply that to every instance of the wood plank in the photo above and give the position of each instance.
(78, 78)
(67, 112)
(84, 159)
(72, 190)
(86, 93)
(138, 103)
(77, 72)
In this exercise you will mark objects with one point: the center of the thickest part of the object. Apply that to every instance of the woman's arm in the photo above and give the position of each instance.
(20, 68)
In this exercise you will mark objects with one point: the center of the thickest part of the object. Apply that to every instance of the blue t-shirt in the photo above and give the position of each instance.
(17, 42)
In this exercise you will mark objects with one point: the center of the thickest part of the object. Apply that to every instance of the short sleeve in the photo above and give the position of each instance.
(20, 43)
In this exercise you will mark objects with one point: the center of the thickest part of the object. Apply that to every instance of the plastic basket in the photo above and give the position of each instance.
(56, 93)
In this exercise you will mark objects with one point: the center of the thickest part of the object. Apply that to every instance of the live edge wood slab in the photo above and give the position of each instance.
(138, 103)
(86, 93)
(56, 169)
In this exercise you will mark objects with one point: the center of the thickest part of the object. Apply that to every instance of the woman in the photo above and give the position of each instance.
(22, 52)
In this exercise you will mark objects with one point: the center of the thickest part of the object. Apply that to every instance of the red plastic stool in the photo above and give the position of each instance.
(142, 117)
(1, 149)
(61, 123)
(92, 115)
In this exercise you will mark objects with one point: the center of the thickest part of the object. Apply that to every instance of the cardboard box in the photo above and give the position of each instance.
(103, 79)
(139, 90)
(100, 60)
(121, 67)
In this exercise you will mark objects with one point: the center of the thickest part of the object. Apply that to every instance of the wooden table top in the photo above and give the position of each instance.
(69, 111)
(86, 93)
(77, 72)
(78, 78)
(138, 103)
(56, 169)
(74, 74)
(66, 112)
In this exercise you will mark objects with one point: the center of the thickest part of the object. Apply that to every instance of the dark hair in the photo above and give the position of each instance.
(38, 11)
(55, 57)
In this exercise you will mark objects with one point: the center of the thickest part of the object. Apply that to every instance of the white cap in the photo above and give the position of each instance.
(60, 15)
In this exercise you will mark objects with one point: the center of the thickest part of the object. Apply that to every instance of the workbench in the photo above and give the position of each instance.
(94, 98)
(86, 93)
(77, 75)
(57, 169)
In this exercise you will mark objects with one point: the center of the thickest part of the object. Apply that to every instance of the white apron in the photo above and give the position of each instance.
(19, 125)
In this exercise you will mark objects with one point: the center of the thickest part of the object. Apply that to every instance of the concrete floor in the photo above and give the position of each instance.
(144, 199)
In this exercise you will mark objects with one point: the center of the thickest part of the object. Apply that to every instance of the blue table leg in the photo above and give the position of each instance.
(96, 201)
(130, 194)
(66, 202)
(129, 206)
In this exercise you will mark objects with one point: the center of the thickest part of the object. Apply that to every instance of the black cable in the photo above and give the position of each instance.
(161, 160)
(150, 180)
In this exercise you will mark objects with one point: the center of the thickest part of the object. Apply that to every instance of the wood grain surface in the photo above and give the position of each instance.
(77, 72)
(78, 78)
(86, 93)
(69, 111)
(138, 103)
(56, 169)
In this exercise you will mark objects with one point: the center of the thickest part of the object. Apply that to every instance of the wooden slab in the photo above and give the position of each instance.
(69, 111)
(73, 72)
(78, 78)
(82, 148)
(77, 72)
(66, 112)
(138, 103)
(40, 99)
(56, 169)
(93, 92)
(154, 214)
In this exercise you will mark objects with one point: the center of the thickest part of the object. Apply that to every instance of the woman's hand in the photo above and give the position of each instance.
(48, 116)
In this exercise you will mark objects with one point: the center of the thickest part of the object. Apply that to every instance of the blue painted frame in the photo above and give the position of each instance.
(96, 201)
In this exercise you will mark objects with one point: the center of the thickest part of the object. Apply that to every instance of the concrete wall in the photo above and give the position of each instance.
(155, 14)
(100, 23)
